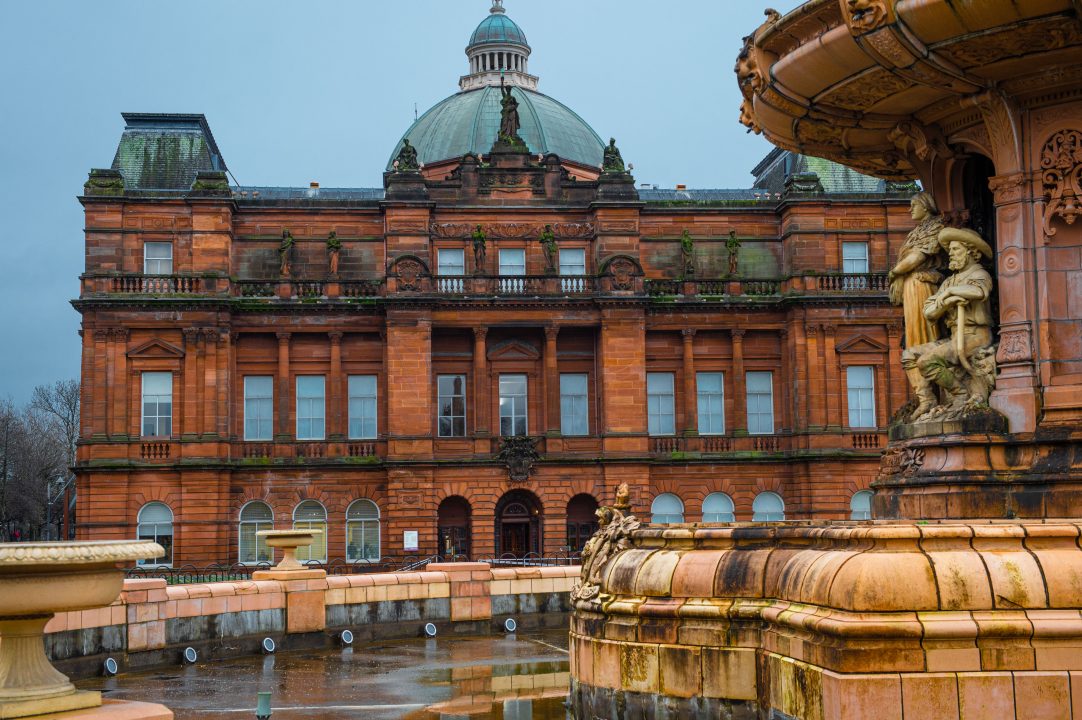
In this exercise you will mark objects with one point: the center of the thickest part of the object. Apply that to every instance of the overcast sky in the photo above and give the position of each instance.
(320, 90)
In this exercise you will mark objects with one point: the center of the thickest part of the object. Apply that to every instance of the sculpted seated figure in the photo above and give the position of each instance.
(962, 366)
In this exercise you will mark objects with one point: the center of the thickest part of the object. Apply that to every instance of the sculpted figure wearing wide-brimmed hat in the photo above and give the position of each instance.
(963, 364)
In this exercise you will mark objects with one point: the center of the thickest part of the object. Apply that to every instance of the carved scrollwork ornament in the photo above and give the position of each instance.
(519, 455)
(1061, 165)
(614, 534)
(867, 15)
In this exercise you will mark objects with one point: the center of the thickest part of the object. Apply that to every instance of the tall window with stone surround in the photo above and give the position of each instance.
(311, 515)
(311, 407)
(710, 387)
(362, 532)
(158, 258)
(258, 407)
(760, 388)
(362, 407)
(574, 404)
(513, 405)
(156, 524)
(157, 404)
(452, 405)
(660, 404)
(252, 550)
(854, 257)
(860, 383)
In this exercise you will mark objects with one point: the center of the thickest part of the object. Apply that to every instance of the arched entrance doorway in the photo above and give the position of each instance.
(453, 527)
(518, 524)
(581, 521)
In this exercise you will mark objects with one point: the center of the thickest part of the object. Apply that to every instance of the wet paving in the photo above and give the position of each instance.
(511, 677)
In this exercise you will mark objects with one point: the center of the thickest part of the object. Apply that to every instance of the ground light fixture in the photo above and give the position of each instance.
(190, 656)
(268, 646)
(346, 637)
(262, 707)
(109, 668)
(430, 630)
(509, 625)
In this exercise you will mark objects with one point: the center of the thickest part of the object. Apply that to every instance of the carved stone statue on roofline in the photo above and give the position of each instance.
(955, 375)
(407, 158)
(613, 161)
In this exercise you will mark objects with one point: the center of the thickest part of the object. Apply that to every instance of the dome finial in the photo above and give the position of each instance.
(497, 6)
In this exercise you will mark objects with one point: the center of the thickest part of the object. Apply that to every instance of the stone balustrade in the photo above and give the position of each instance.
(152, 622)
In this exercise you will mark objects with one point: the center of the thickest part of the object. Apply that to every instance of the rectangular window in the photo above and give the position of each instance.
(860, 381)
(572, 268)
(574, 405)
(854, 257)
(157, 404)
(573, 261)
(512, 405)
(760, 386)
(258, 407)
(512, 262)
(311, 407)
(452, 405)
(362, 407)
(660, 403)
(710, 388)
(158, 258)
(452, 261)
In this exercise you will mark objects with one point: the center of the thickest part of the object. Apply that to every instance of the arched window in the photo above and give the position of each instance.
(860, 506)
(453, 527)
(667, 508)
(254, 516)
(581, 521)
(156, 524)
(362, 532)
(310, 515)
(767, 507)
(718, 507)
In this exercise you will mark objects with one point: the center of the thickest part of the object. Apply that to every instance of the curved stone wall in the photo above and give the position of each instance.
(798, 617)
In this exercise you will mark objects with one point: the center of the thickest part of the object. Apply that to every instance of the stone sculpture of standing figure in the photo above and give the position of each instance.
(917, 275)
(479, 242)
(285, 252)
(509, 120)
(334, 249)
(549, 245)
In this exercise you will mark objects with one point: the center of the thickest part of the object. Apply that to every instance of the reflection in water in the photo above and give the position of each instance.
(498, 677)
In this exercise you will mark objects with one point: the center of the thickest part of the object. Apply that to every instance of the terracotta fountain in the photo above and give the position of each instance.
(38, 580)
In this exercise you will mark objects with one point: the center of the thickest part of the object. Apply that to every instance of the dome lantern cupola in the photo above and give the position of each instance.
(498, 49)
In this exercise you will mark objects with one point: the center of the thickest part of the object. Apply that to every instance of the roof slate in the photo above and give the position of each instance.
(165, 151)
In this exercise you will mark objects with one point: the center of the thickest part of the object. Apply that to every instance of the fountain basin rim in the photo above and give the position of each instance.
(23, 557)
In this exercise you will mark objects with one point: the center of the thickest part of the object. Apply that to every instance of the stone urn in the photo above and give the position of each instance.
(289, 541)
(38, 580)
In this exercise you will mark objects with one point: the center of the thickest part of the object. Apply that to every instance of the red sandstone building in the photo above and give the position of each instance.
(348, 359)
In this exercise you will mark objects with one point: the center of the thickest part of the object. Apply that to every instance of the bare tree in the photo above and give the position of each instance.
(61, 402)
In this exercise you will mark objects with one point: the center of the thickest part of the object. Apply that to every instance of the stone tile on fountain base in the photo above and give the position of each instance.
(78, 701)
(113, 710)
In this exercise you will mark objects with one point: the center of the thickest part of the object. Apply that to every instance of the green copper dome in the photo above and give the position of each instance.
(468, 122)
(498, 28)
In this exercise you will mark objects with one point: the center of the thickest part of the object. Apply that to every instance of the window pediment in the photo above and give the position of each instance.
(861, 344)
(156, 349)
(514, 350)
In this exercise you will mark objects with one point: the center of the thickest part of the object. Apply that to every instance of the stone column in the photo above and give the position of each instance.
(691, 399)
(1017, 391)
(203, 381)
(337, 388)
(101, 383)
(834, 386)
(740, 399)
(284, 393)
(224, 383)
(190, 380)
(552, 383)
(785, 383)
(815, 408)
(799, 374)
(87, 391)
(118, 377)
(480, 382)
(897, 385)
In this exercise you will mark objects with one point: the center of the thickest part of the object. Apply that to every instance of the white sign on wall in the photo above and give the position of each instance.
(410, 542)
